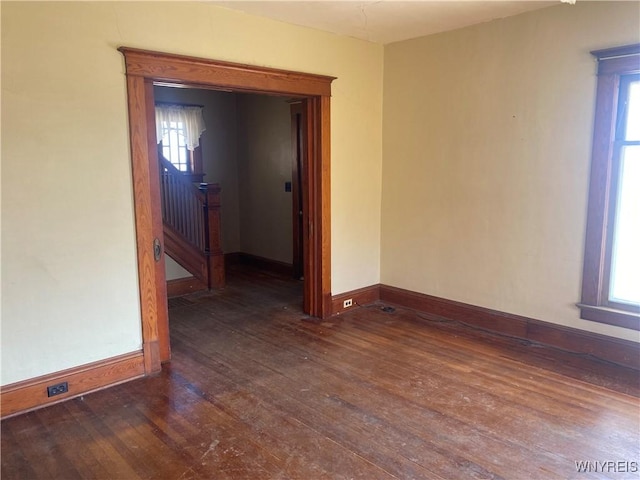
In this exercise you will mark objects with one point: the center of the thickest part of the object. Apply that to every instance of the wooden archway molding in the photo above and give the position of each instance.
(143, 69)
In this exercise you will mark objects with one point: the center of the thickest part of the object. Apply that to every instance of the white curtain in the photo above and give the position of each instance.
(190, 117)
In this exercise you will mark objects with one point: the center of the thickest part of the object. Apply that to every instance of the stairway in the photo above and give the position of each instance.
(191, 223)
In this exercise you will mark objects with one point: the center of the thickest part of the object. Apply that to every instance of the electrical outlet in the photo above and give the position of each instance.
(347, 303)
(57, 389)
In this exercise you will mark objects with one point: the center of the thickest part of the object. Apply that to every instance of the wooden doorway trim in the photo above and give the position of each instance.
(297, 154)
(143, 69)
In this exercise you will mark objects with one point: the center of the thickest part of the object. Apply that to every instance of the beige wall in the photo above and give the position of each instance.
(69, 277)
(173, 270)
(264, 165)
(487, 136)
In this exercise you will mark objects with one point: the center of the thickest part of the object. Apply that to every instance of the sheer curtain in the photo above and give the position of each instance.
(190, 117)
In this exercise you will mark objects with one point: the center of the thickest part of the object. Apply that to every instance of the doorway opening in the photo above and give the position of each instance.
(250, 150)
(144, 69)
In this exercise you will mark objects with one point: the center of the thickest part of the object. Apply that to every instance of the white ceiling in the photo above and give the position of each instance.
(385, 21)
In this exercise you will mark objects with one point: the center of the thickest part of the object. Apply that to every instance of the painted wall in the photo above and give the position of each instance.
(69, 274)
(69, 279)
(264, 164)
(487, 144)
(173, 270)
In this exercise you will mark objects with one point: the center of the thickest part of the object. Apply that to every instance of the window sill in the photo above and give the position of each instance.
(610, 316)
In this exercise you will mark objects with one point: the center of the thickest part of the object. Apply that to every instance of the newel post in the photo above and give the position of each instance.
(214, 253)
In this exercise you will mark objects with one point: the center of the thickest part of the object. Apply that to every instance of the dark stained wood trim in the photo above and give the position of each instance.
(323, 180)
(312, 293)
(186, 255)
(625, 50)
(598, 207)
(612, 349)
(513, 325)
(232, 258)
(184, 70)
(612, 61)
(262, 263)
(148, 219)
(21, 397)
(594, 304)
(143, 68)
(622, 352)
(156, 343)
(360, 296)
(620, 318)
(629, 65)
(316, 200)
(215, 257)
(183, 286)
(163, 351)
(297, 153)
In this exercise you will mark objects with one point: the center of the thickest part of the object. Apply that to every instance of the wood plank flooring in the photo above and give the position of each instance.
(257, 390)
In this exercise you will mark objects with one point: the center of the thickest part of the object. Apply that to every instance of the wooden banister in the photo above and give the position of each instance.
(191, 218)
(212, 236)
(187, 255)
(180, 176)
(182, 204)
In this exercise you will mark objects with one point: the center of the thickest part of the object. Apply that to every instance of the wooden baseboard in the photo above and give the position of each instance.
(274, 266)
(21, 397)
(183, 286)
(231, 259)
(622, 352)
(361, 296)
(493, 320)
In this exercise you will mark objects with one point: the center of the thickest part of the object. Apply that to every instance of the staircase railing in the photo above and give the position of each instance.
(182, 204)
(191, 218)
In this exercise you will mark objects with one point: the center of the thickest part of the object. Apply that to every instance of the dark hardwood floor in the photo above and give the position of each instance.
(257, 390)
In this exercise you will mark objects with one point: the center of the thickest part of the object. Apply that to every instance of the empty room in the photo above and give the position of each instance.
(306, 240)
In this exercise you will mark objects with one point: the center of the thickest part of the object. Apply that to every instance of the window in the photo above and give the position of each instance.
(178, 131)
(611, 274)
(174, 146)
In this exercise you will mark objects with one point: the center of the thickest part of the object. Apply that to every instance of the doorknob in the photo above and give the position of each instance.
(157, 249)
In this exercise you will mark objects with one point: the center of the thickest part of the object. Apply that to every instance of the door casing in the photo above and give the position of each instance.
(297, 156)
(144, 69)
